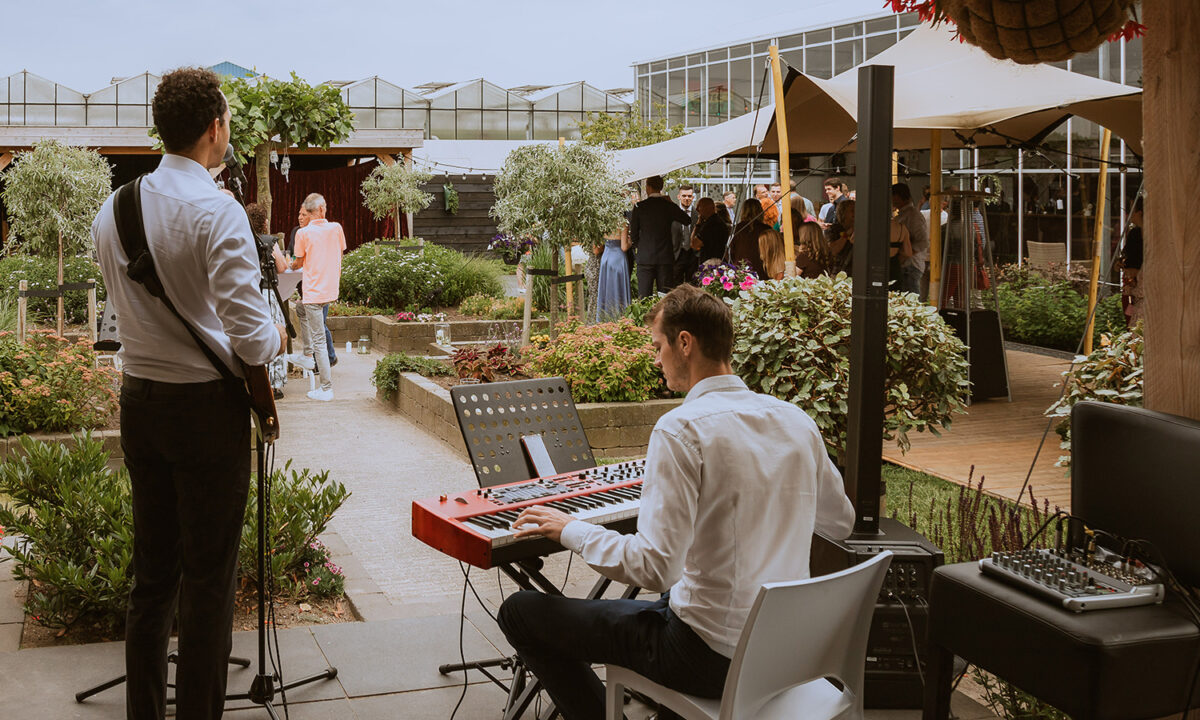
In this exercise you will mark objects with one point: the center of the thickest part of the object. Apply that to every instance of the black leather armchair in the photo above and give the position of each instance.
(1134, 473)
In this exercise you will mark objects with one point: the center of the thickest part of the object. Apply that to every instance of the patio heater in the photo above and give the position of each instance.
(969, 302)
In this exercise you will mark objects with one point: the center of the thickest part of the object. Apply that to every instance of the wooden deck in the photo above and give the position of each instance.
(1000, 438)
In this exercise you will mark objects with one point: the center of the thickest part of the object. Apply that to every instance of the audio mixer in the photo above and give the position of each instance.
(1073, 580)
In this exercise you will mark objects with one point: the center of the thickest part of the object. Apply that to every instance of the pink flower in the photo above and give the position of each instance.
(317, 581)
(706, 281)
(747, 283)
(727, 285)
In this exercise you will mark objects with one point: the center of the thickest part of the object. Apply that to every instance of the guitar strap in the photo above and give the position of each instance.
(127, 211)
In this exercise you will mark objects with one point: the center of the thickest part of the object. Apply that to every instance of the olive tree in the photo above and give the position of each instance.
(394, 189)
(557, 195)
(53, 194)
(270, 113)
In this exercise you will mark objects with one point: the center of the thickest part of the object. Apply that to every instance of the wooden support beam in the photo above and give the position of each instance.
(935, 217)
(785, 171)
(1170, 275)
(388, 160)
(1097, 239)
(5, 159)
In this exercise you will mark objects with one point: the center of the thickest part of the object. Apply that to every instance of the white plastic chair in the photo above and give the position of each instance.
(798, 634)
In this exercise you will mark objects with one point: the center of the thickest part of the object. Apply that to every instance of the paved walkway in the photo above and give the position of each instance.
(407, 594)
(999, 438)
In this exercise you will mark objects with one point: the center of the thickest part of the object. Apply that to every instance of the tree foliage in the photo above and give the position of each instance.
(268, 113)
(55, 191)
(393, 189)
(559, 194)
(298, 114)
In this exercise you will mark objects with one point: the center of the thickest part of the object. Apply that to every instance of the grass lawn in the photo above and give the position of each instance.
(964, 522)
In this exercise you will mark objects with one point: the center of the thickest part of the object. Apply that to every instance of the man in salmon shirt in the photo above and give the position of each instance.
(319, 248)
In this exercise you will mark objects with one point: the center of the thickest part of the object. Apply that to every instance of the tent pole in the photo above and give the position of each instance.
(935, 217)
(1097, 238)
(785, 175)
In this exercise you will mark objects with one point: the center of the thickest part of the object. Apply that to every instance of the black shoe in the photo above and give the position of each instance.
(332, 361)
(277, 393)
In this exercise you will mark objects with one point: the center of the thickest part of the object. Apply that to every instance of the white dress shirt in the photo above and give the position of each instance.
(735, 484)
(204, 253)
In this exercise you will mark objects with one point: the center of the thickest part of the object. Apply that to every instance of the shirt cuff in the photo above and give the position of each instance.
(573, 534)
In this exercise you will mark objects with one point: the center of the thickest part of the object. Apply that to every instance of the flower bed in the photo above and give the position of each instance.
(614, 430)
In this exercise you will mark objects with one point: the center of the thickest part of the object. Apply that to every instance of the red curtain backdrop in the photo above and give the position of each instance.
(341, 188)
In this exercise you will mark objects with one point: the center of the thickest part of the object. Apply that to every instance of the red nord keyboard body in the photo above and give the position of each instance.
(476, 526)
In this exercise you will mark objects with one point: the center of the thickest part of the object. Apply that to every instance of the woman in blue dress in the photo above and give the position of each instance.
(612, 291)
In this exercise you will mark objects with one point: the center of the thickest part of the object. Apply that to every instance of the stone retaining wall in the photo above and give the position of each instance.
(388, 336)
(614, 430)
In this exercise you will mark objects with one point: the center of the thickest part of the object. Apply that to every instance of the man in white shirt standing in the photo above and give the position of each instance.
(319, 248)
(185, 431)
(735, 484)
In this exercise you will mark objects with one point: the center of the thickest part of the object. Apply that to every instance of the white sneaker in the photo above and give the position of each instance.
(302, 361)
(322, 395)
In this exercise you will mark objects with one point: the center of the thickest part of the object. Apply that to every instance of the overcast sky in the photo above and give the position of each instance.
(84, 43)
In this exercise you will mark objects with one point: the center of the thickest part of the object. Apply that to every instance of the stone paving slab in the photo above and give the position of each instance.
(398, 655)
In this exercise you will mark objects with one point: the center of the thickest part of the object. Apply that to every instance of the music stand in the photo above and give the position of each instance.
(494, 419)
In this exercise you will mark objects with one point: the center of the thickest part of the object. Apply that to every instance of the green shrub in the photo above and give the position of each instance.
(486, 365)
(1112, 373)
(51, 384)
(343, 310)
(8, 312)
(606, 362)
(76, 519)
(42, 274)
(386, 376)
(75, 515)
(638, 309)
(435, 277)
(493, 308)
(1047, 308)
(792, 340)
(302, 504)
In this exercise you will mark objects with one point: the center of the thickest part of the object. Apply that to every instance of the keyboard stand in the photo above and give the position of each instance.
(492, 409)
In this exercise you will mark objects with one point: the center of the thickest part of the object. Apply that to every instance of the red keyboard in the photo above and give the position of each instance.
(476, 526)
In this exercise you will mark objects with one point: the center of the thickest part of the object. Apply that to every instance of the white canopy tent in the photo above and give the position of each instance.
(940, 83)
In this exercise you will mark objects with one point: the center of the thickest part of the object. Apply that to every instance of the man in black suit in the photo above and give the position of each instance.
(681, 237)
(650, 233)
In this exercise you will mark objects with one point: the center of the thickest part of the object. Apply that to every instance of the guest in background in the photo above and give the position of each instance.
(650, 233)
(842, 246)
(744, 246)
(770, 215)
(730, 209)
(912, 266)
(612, 287)
(770, 249)
(1131, 266)
(812, 250)
(681, 236)
(900, 250)
(711, 233)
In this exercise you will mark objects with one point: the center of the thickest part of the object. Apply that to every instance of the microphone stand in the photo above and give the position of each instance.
(263, 687)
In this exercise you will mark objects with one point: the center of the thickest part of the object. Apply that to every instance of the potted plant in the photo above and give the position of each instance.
(510, 248)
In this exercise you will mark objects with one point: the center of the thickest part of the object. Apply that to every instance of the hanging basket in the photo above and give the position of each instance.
(1037, 31)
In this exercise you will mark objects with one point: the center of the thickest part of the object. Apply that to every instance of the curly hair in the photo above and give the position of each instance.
(186, 102)
(258, 219)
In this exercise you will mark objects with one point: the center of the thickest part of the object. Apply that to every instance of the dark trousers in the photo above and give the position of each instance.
(187, 448)
(559, 638)
(658, 275)
(685, 266)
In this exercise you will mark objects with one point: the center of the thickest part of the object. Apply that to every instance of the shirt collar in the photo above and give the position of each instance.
(318, 221)
(715, 383)
(185, 165)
